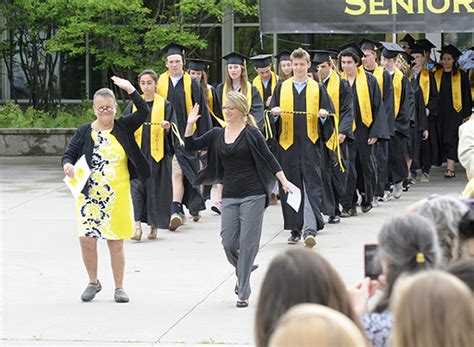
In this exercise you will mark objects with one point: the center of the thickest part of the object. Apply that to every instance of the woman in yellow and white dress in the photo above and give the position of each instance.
(104, 207)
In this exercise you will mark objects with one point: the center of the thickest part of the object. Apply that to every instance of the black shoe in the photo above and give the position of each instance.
(366, 208)
(334, 219)
(349, 213)
(242, 303)
(294, 238)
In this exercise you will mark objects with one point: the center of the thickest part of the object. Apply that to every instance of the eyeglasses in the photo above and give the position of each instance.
(102, 109)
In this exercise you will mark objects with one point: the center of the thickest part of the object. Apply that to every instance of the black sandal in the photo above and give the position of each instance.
(242, 303)
(449, 173)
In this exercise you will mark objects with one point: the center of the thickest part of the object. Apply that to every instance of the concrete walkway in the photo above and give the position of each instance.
(181, 286)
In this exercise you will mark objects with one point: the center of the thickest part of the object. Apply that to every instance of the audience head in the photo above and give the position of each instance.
(307, 325)
(446, 212)
(464, 270)
(432, 308)
(407, 244)
(294, 277)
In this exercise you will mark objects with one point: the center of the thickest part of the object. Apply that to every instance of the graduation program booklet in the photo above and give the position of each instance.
(81, 175)
(294, 197)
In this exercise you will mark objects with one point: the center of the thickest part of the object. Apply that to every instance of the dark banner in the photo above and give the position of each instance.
(366, 16)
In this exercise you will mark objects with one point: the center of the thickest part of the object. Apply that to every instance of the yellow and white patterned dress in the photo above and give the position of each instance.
(107, 212)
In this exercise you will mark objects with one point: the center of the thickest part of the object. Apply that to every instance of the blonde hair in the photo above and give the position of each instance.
(316, 325)
(300, 53)
(432, 308)
(239, 101)
(244, 79)
(405, 67)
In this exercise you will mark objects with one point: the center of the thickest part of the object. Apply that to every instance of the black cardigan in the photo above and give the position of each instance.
(123, 130)
(214, 171)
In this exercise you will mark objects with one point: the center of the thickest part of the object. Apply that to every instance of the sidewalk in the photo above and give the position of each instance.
(180, 286)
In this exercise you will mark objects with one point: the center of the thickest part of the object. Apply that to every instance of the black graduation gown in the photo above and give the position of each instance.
(189, 161)
(420, 124)
(152, 201)
(381, 146)
(270, 134)
(397, 146)
(337, 178)
(362, 167)
(430, 153)
(256, 108)
(302, 162)
(216, 107)
(450, 120)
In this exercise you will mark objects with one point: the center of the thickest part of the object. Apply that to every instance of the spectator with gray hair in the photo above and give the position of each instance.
(407, 243)
(446, 212)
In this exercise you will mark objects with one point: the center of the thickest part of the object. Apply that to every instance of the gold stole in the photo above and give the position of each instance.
(288, 112)
(210, 100)
(257, 82)
(397, 90)
(249, 96)
(455, 87)
(363, 97)
(162, 90)
(424, 83)
(378, 73)
(157, 138)
(334, 86)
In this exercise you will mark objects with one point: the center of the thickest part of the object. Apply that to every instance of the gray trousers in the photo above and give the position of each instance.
(241, 228)
(310, 226)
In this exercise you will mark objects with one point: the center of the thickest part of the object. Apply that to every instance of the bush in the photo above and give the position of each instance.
(12, 116)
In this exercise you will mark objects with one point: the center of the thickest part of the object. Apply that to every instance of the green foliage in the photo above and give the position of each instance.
(65, 117)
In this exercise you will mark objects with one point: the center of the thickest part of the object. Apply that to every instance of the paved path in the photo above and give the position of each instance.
(181, 286)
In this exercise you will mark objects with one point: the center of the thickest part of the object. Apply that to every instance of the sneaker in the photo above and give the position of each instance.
(411, 179)
(334, 219)
(120, 295)
(425, 177)
(196, 217)
(175, 222)
(366, 208)
(375, 201)
(310, 241)
(294, 238)
(217, 207)
(397, 190)
(349, 213)
(405, 185)
(91, 290)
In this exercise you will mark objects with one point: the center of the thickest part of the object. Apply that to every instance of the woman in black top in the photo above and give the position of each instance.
(239, 158)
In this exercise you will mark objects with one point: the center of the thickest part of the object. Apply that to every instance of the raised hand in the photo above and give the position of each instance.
(193, 115)
(123, 84)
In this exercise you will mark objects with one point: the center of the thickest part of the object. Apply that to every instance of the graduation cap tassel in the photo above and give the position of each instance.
(261, 40)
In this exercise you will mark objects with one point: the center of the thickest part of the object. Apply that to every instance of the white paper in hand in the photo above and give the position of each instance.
(294, 197)
(81, 175)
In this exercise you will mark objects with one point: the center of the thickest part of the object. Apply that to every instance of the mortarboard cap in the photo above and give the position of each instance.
(198, 64)
(262, 60)
(333, 53)
(368, 45)
(417, 49)
(283, 55)
(408, 39)
(407, 57)
(313, 68)
(391, 50)
(235, 58)
(173, 48)
(321, 56)
(426, 44)
(352, 48)
(451, 50)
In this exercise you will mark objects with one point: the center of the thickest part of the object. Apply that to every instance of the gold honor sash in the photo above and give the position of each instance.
(363, 97)
(455, 87)
(424, 83)
(287, 118)
(162, 90)
(210, 100)
(157, 138)
(249, 96)
(397, 90)
(257, 82)
(334, 86)
(378, 73)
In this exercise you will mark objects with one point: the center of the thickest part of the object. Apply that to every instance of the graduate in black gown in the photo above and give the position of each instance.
(370, 126)
(236, 78)
(300, 140)
(183, 92)
(429, 150)
(340, 93)
(454, 104)
(152, 200)
(384, 79)
(403, 112)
